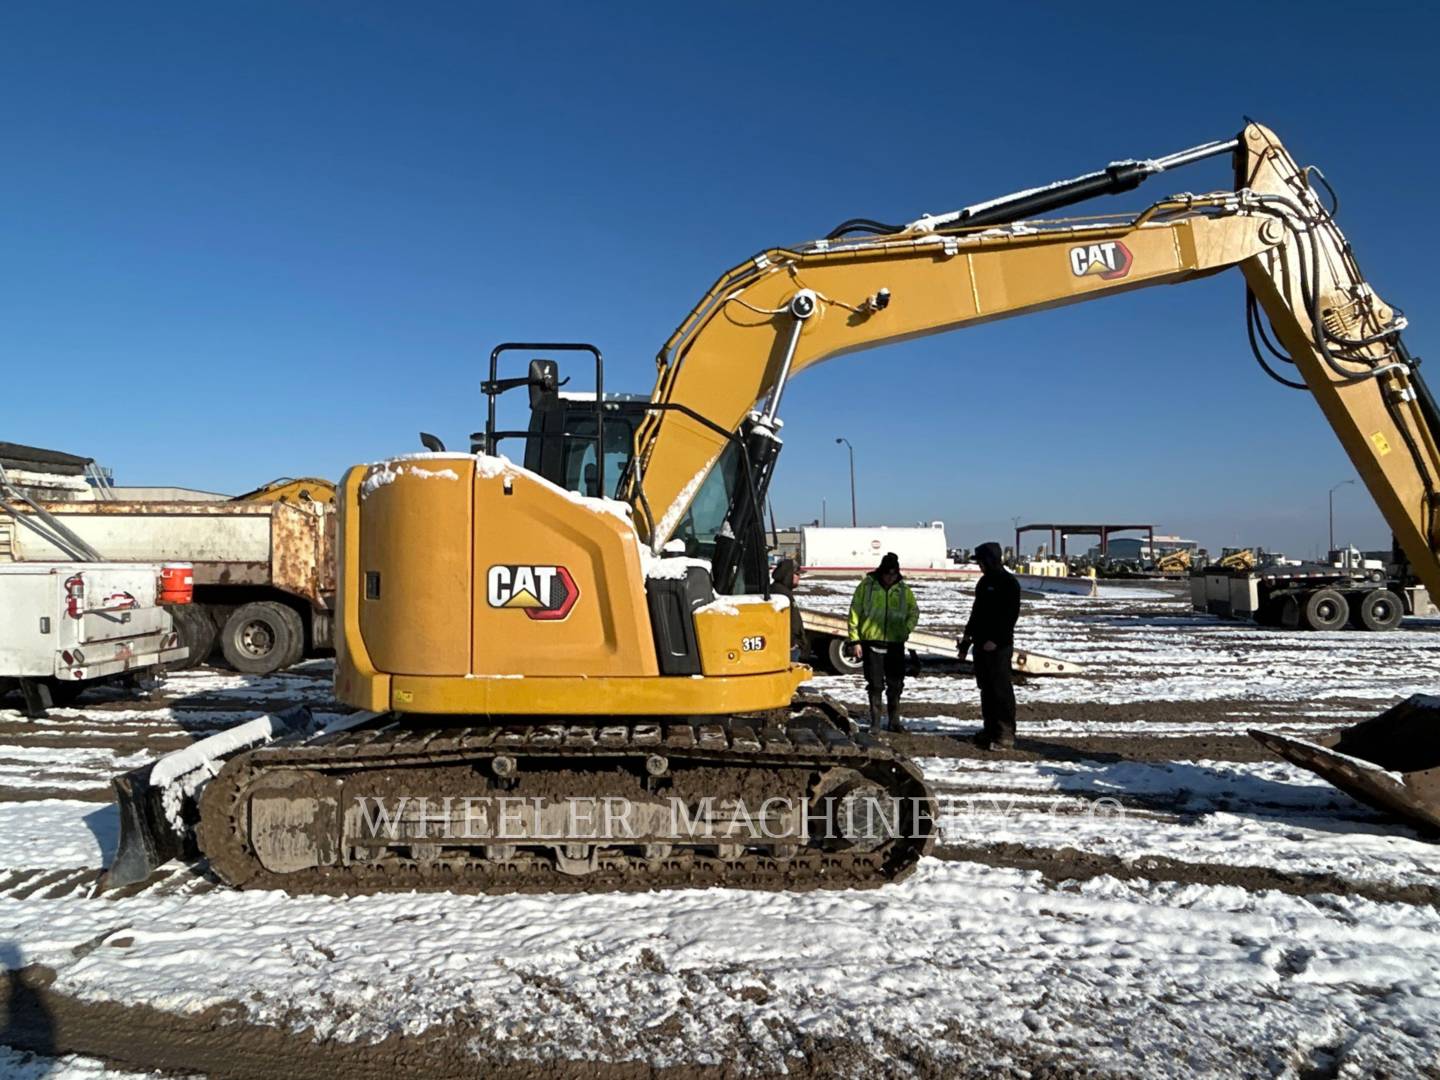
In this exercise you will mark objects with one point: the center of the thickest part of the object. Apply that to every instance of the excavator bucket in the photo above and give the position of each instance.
(158, 801)
(1390, 762)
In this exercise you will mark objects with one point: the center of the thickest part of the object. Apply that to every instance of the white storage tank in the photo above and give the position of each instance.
(847, 552)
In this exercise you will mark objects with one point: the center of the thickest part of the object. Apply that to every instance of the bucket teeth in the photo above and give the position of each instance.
(1390, 762)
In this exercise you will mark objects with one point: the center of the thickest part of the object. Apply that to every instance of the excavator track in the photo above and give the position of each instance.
(843, 810)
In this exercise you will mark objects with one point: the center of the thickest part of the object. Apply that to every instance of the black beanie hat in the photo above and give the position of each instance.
(891, 562)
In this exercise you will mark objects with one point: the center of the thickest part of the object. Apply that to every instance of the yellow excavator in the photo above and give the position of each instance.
(534, 646)
(288, 489)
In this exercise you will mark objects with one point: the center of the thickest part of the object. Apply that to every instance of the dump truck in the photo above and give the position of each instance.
(264, 563)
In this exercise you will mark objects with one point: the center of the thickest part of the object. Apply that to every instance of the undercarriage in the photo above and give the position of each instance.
(789, 799)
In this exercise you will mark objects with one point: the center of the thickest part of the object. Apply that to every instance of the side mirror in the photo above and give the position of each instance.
(544, 383)
(431, 443)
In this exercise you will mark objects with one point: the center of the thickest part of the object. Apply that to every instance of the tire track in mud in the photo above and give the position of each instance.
(220, 1043)
(1094, 748)
(1060, 866)
(97, 793)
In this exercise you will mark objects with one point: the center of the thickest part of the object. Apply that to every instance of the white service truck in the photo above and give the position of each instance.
(264, 568)
(263, 562)
(68, 625)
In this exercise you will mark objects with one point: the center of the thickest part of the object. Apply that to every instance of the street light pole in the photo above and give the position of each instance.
(853, 520)
(1334, 489)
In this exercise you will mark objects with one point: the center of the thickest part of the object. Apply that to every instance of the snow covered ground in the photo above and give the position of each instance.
(19, 1065)
(1115, 900)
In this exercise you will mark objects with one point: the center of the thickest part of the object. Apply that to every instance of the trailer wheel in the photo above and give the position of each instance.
(195, 625)
(1378, 609)
(841, 662)
(1324, 609)
(262, 637)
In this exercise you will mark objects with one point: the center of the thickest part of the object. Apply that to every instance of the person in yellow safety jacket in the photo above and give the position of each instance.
(883, 614)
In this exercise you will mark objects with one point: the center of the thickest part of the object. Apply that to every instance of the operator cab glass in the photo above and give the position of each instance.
(561, 448)
(577, 459)
(560, 444)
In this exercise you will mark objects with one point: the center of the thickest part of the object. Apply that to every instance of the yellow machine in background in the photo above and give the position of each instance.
(1174, 562)
(1238, 559)
(291, 490)
(519, 635)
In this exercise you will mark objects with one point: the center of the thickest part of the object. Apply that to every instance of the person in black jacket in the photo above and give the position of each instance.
(783, 580)
(991, 630)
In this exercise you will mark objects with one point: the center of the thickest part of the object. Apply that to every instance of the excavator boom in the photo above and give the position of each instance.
(788, 309)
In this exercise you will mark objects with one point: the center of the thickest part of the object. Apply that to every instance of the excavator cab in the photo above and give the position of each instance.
(721, 525)
(562, 439)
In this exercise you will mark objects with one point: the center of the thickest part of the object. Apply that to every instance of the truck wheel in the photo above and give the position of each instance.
(262, 637)
(1324, 609)
(1378, 609)
(35, 693)
(840, 662)
(195, 624)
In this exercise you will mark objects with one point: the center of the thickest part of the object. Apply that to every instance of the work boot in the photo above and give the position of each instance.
(987, 741)
(992, 738)
(876, 724)
(892, 707)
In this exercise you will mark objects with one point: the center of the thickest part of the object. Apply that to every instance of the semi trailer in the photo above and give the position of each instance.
(1308, 596)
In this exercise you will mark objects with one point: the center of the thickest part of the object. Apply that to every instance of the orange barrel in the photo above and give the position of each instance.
(177, 583)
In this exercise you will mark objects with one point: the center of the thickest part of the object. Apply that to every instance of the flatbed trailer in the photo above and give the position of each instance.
(827, 635)
(1309, 596)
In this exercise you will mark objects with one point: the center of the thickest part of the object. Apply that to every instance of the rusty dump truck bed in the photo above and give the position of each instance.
(264, 567)
(286, 546)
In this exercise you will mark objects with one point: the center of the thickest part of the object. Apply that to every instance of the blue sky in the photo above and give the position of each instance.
(251, 240)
